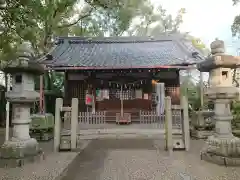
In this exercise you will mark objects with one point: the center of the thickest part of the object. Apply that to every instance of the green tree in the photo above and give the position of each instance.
(154, 21)
(236, 32)
(108, 21)
(236, 23)
(38, 21)
(197, 43)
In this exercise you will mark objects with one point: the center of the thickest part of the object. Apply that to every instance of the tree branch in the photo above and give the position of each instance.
(77, 21)
(2, 4)
(235, 2)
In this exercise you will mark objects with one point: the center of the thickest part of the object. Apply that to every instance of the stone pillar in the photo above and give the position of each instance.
(74, 123)
(222, 147)
(168, 124)
(21, 147)
(58, 124)
(186, 131)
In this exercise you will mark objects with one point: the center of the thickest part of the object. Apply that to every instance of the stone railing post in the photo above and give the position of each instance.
(74, 123)
(57, 126)
(168, 124)
(186, 131)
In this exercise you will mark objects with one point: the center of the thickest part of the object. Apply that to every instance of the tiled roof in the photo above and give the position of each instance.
(122, 52)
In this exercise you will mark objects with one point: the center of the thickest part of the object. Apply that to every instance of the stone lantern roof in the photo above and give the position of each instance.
(25, 62)
(218, 58)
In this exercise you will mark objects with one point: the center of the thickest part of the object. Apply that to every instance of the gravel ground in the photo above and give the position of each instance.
(122, 159)
(144, 160)
(49, 169)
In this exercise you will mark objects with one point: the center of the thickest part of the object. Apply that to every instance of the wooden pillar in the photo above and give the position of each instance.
(94, 99)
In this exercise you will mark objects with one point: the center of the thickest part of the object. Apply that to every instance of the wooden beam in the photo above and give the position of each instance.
(116, 67)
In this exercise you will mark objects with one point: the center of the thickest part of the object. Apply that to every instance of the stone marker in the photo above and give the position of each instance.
(21, 148)
(202, 124)
(222, 147)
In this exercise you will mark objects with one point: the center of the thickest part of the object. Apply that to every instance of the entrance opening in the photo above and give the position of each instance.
(224, 75)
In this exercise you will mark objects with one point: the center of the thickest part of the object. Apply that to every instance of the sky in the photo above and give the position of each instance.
(206, 19)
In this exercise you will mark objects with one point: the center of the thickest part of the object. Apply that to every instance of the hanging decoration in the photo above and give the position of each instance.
(126, 85)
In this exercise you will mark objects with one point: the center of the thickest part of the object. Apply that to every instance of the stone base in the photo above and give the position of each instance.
(222, 150)
(178, 143)
(220, 160)
(16, 152)
(65, 143)
(201, 134)
(19, 162)
(42, 136)
(223, 146)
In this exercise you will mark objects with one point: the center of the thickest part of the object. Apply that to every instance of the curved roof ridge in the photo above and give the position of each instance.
(122, 39)
(123, 51)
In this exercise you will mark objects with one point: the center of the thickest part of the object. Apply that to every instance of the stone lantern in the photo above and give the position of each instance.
(21, 147)
(222, 147)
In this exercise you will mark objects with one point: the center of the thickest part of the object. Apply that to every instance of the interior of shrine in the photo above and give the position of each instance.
(114, 91)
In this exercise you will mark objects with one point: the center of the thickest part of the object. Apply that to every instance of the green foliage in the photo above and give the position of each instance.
(197, 43)
(236, 23)
(192, 91)
(36, 21)
(155, 21)
(236, 26)
(39, 21)
(236, 111)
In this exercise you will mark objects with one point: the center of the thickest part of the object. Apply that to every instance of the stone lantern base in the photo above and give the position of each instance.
(16, 153)
(222, 151)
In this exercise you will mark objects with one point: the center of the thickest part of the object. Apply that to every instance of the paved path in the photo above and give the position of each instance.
(144, 160)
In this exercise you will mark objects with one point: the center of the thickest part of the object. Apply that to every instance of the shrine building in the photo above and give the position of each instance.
(116, 74)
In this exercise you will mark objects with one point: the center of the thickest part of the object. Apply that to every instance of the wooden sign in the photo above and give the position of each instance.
(167, 75)
(105, 75)
(76, 76)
